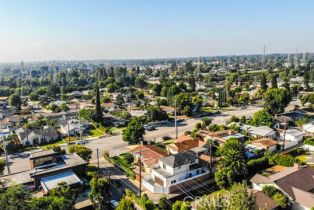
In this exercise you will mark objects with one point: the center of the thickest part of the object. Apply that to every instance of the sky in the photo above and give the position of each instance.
(37, 30)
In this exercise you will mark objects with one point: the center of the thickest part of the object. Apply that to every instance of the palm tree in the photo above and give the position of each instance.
(234, 160)
(27, 127)
(51, 124)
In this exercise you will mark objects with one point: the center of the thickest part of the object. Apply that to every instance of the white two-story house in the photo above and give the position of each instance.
(175, 172)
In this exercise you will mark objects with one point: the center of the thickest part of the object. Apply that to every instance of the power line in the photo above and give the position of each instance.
(184, 191)
(201, 186)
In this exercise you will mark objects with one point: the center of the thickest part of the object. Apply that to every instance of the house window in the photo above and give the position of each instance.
(190, 175)
(173, 181)
(164, 166)
(197, 171)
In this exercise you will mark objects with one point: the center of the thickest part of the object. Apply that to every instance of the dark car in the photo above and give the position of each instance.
(166, 138)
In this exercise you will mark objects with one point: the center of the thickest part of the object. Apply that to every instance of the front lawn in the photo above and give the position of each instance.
(95, 133)
(302, 158)
(56, 143)
(124, 162)
(72, 138)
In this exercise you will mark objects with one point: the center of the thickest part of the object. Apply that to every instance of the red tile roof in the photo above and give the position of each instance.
(186, 145)
(150, 154)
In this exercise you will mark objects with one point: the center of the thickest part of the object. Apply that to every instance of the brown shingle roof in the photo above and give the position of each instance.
(184, 138)
(150, 154)
(263, 201)
(265, 142)
(186, 145)
(302, 179)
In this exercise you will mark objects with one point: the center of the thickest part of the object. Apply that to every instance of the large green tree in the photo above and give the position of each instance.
(262, 118)
(163, 204)
(306, 78)
(192, 82)
(100, 193)
(15, 100)
(236, 198)
(155, 114)
(274, 83)
(240, 198)
(15, 198)
(2, 166)
(61, 198)
(263, 82)
(125, 203)
(134, 132)
(275, 100)
(232, 165)
(84, 152)
(98, 111)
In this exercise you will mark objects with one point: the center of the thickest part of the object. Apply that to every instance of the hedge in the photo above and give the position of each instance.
(297, 152)
(123, 165)
(282, 160)
(255, 165)
(276, 195)
(309, 141)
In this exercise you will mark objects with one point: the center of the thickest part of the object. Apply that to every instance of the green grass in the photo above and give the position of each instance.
(72, 138)
(96, 133)
(168, 142)
(257, 71)
(116, 130)
(124, 165)
(53, 144)
(302, 158)
(265, 174)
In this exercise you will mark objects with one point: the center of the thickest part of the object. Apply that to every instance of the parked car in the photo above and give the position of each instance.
(15, 155)
(180, 120)
(166, 138)
(81, 142)
(114, 203)
(149, 127)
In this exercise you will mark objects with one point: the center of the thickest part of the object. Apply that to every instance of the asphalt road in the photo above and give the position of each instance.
(115, 145)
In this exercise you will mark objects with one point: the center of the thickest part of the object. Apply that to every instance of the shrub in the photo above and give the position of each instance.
(309, 141)
(57, 149)
(128, 157)
(255, 165)
(83, 152)
(269, 190)
(275, 194)
(2, 166)
(282, 160)
(91, 171)
(281, 199)
(123, 165)
(297, 152)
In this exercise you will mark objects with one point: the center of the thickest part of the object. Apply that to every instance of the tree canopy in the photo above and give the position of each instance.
(232, 165)
(84, 152)
(100, 192)
(275, 100)
(134, 132)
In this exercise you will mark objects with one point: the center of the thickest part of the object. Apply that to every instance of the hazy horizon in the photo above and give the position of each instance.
(118, 30)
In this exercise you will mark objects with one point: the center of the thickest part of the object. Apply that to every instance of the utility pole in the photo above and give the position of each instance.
(5, 153)
(109, 178)
(68, 131)
(140, 161)
(211, 158)
(284, 134)
(97, 158)
(175, 117)
(21, 71)
(264, 57)
(80, 122)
